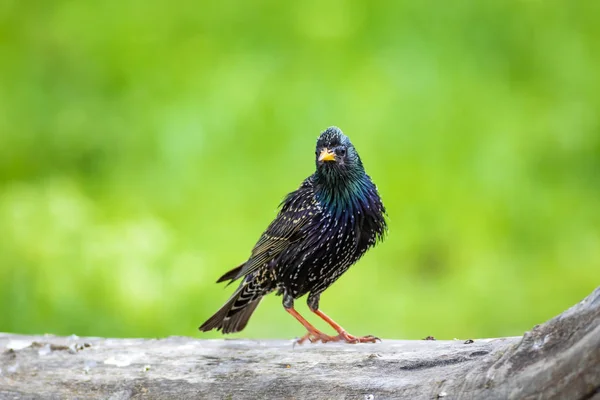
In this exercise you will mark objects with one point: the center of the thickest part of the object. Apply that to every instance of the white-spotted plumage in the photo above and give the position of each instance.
(322, 229)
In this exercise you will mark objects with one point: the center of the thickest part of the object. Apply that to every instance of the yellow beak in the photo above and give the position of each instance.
(326, 155)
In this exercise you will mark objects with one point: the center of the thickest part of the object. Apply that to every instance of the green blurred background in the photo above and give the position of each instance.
(144, 146)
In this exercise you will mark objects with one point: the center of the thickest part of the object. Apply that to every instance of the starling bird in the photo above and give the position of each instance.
(322, 228)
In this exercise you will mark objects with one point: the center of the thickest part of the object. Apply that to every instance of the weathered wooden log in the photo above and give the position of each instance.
(559, 359)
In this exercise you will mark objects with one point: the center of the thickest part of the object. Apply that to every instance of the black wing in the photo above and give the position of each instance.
(297, 210)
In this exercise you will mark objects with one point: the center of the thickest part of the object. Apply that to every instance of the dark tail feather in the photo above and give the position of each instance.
(234, 314)
(231, 275)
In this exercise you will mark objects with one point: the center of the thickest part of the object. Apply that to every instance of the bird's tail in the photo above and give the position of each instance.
(234, 315)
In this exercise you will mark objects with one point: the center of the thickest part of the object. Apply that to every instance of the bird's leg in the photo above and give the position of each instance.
(313, 334)
(342, 334)
(313, 304)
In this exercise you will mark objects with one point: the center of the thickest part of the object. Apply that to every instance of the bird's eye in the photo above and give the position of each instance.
(342, 151)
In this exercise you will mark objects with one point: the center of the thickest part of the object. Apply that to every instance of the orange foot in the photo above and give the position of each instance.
(318, 336)
(357, 339)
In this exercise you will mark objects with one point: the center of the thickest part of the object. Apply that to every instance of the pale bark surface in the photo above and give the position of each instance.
(559, 359)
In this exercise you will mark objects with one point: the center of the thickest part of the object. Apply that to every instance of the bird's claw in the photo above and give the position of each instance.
(317, 336)
(348, 338)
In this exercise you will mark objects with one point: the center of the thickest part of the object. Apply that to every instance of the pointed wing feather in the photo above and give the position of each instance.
(296, 212)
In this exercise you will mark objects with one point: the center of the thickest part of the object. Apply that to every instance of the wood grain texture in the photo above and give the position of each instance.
(559, 359)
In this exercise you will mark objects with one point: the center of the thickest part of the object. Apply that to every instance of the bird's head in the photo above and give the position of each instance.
(336, 156)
